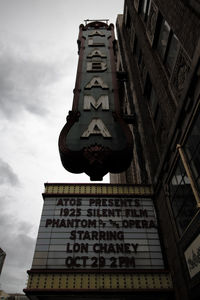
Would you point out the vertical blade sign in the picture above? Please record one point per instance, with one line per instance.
(95, 139)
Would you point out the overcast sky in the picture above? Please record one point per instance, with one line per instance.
(38, 61)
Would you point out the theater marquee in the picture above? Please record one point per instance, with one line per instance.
(98, 232)
(95, 139)
(97, 238)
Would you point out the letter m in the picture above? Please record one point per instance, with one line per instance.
(90, 100)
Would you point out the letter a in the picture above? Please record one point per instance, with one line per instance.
(96, 53)
(96, 82)
(96, 126)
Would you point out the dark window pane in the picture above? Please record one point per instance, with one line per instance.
(148, 87)
(180, 198)
(144, 9)
(158, 117)
(172, 53)
(140, 58)
(181, 169)
(136, 48)
(128, 20)
(148, 8)
(153, 102)
(187, 211)
(193, 140)
(198, 182)
(192, 149)
(195, 164)
(163, 39)
(172, 186)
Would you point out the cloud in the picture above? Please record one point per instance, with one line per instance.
(19, 246)
(7, 175)
(24, 80)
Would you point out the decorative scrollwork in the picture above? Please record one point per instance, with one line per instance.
(180, 72)
(73, 116)
(96, 153)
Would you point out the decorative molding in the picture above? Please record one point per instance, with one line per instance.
(97, 189)
(73, 116)
(180, 72)
(96, 154)
(76, 281)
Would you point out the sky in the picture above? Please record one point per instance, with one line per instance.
(38, 62)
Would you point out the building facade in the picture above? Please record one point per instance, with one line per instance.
(158, 73)
(98, 240)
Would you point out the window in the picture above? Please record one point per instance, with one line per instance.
(140, 61)
(136, 48)
(137, 51)
(172, 53)
(132, 38)
(167, 46)
(127, 18)
(182, 198)
(152, 98)
(139, 58)
(163, 39)
(192, 149)
(145, 6)
(153, 103)
(155, 114)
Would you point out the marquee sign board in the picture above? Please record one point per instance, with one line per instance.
(98, 232)
(95, 139)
